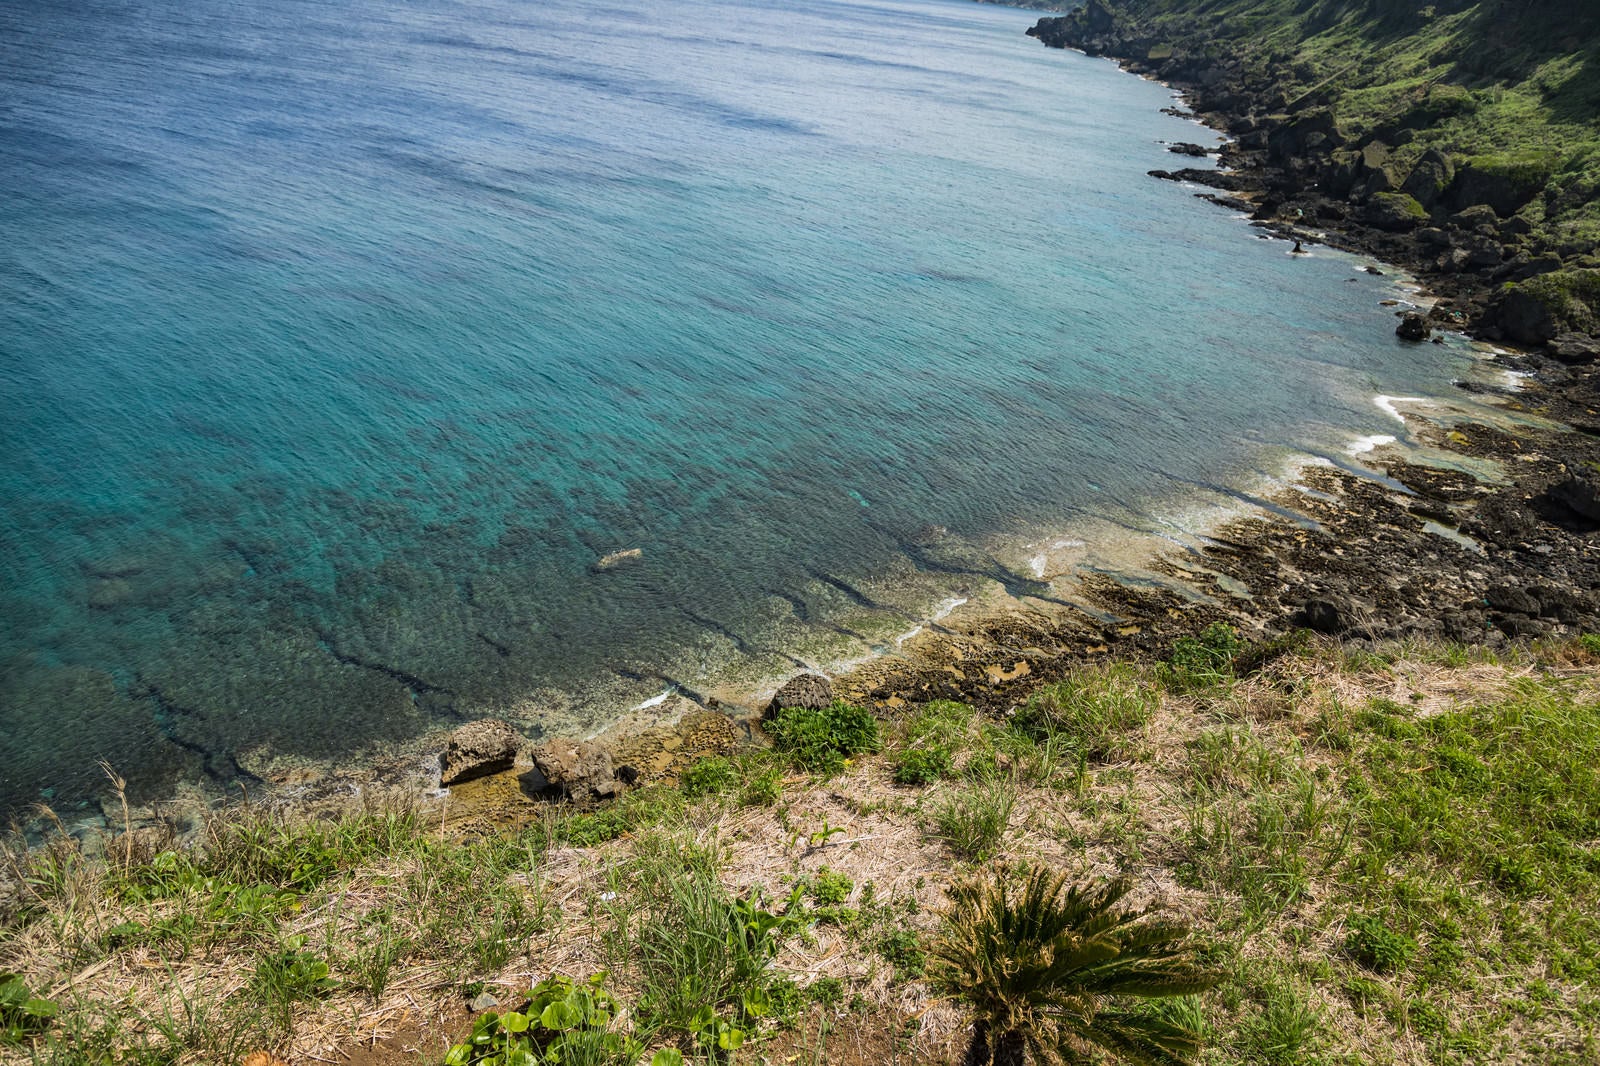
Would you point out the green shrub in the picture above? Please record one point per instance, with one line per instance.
(922, 766)
(828, 991)
(902, 948)
(762, 789)
(1370, 942)
(1205, 661)
(830, 887)
(561, 1022)
(821, 740)
(708, 777)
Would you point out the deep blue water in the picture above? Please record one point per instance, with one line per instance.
(337, 341)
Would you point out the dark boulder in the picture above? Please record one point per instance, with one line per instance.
(1579, 494)
(1523, 317)
(811, 691)
(1185, 148)
(1503, 183)
(1413, 327)
(1575, 348)
(1429, 178)
(1512, 599)
(1326, 615)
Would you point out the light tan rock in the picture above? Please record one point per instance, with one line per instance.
(477, 749)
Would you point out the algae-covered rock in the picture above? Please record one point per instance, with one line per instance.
(1502, 182)
(1395, 211)
(1538, 309)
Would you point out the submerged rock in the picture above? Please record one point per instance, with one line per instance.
(613, 560)
(477, 749)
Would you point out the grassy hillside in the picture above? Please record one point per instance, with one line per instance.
(1388, 856)
(1511, 87)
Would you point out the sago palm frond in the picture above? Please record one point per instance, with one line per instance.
(1043, 966)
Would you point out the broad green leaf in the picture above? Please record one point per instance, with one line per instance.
(730, 1039)
(40, 1008)
(669, 1056)
(560, 1016)
(514, 1022)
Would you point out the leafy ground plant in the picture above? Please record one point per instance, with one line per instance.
(22, 1014)
(820, 740)
(562, 1021)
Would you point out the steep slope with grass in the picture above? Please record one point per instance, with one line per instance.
(1460, 137)
(1377, 854)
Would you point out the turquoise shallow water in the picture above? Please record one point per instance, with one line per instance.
(338, 341)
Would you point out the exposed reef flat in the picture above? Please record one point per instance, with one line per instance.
(1480, 534)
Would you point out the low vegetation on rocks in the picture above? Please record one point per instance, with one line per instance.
(1473, 124)
(1300, 852)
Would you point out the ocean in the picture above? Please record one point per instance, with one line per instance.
(340, 342)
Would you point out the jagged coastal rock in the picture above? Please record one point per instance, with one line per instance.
(1413, 327)
(578, 769)
(477, 749)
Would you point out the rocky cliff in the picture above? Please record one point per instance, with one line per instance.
(1460, 138)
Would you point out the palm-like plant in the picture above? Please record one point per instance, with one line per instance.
(1049, 973)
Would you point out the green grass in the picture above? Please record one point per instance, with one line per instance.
(1096, 713)
(974, 820)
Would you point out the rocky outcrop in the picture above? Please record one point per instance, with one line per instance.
(477, 749)
(577, 769)
(1413, 327)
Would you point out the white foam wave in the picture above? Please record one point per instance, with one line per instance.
(654, 701)
(1386, 404)
(1363, 445)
